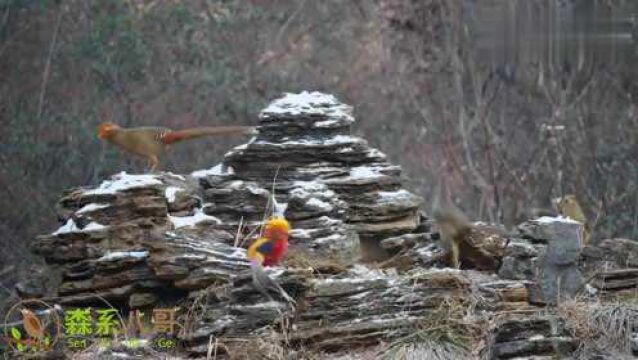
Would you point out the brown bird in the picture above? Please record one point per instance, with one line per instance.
(150, 142)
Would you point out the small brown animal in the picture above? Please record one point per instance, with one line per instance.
(468, 245)
(569, 207)
(150, 142)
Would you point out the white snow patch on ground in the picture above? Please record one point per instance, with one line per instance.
(215, 170)
(117, 255)
(551, 219)
(91, 207)
(171, 193)
(310, 103)
(124, 181)
(184, 221)
(71, 227)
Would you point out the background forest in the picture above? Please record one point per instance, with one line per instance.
(512, 102)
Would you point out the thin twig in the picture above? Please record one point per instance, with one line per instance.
(47, 64)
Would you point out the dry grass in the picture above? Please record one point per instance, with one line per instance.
(601, 327)
(303, 259)
(448, 333)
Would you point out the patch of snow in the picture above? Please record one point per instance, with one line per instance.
(257, 190)
(364, 172)
(374, 153)
(537, 337)
(327, 124)
(279, 209)
(71, 227)
(319, 205)
(329, 239)
(124, 181)
(309, 103)
(301, 234)
(425, 252)
(91, 207)
(171, 193)
(215, 170)
(117, 255)
(394, 195)
(177, 176)
(335, 140)
(311, 188)
(591, 290)
(189, 221)
(345, 150)
(93, 226)
(552, 219)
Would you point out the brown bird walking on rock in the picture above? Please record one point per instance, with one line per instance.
(150, 141)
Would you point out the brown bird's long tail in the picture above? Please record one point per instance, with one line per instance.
(180, 135)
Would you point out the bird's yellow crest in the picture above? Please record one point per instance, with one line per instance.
(278, 223)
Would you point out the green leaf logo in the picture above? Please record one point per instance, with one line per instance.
(16, 333)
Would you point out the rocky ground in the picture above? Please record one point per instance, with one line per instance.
(365, 269)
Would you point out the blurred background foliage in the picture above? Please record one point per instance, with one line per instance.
(512, 102)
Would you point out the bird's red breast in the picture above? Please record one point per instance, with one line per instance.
(270, 249)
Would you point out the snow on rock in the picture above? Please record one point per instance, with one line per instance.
(171, 193)
(551, 219)
(189, 221)
(311, 188)
(91, 207)
(124, 181)
(319, 205)
(214, 171)
(310, 103)
(117, 255)
(335, 140)
(71, 227)
(365, 172)
(393, 196)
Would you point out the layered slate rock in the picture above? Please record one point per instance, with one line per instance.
(139, 236)
(132, 239)
(332, 185)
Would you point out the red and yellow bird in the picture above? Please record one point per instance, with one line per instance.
(272, 247)
(269, 250)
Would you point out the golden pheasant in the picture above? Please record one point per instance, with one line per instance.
(150, 142)
(269, 250)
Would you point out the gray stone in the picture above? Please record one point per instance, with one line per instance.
(558, 275)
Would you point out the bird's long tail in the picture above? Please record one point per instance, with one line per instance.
(180, 135)
(264, 284)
